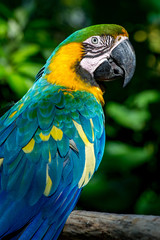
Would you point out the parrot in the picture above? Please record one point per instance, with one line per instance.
(52, 140)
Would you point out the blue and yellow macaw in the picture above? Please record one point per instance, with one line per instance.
(52, 140)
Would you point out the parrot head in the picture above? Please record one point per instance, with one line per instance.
(92, 55)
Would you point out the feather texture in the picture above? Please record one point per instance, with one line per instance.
(45, 158)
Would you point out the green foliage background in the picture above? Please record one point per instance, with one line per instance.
(128, 180)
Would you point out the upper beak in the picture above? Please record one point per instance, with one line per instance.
(121, 63)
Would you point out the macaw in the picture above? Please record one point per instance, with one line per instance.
(52, 140)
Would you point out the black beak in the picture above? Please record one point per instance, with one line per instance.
(122, 63)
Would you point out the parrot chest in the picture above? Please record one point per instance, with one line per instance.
(77, 118)
(85, 126)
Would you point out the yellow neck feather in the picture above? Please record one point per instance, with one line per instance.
(62, 71)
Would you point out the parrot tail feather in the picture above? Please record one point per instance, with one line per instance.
(45, 228)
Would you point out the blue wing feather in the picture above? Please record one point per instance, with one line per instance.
(6, 132)
(63, 146)
(86, 125)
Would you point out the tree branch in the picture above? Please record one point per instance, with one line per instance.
(95, 225)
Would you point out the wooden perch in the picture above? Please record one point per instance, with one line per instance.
(95, 225)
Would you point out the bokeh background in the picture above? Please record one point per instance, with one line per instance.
(128, 180)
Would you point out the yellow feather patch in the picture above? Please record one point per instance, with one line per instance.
(48, 183)
(44, 137)
(1, 161)
(29, 147)
(89, 165)
(63, 73)
(20, 106)
(12, 114)
(81, 133)
(56, 133)
(49, 160)
(90, 160)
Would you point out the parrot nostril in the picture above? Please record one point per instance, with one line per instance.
(116, 71)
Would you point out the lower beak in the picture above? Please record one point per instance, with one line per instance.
(121, 64)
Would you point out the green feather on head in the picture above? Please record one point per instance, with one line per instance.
(102, 29)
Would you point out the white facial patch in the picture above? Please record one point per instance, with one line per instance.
(91, 59)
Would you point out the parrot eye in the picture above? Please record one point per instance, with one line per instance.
(94, 40)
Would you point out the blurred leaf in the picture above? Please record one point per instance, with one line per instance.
(14, 29)
(148, 203)
(25, 52)
(140, 36)
(122, 157)
(134, 119)
(143, 99)
(22, 16)
(3, 28)
(2, 72)
(19, 84)
(153, 17)
(154, 39)
(29, 68)
(151, 61)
